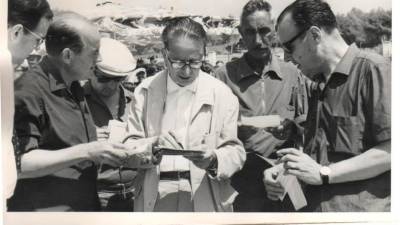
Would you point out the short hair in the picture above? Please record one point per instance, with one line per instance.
(307, 13)
(28, 13)
(63, 33)
(183, 26)
(253, 6)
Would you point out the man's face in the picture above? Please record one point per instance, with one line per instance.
(105, 85)
(84, 62)
(255, 30)
(183, 59)
(22, 43)
(297, 44)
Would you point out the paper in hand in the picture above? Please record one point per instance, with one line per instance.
(117, 130)
(293, 189)
(261, 121)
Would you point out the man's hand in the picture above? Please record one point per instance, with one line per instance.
(283, 131)
(203, 161)
(114, 154)
(272, 186)
(300, 165)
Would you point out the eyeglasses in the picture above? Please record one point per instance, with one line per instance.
(105, 79)
(263, 31)
(287, 46)
(179, 64)
(39, 39)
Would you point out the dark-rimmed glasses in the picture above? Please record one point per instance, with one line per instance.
(179, 64)
(287, 46)
(39, 39)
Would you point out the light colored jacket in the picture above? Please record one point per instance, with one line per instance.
(214, 119)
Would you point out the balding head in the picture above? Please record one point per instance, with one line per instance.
(70, 30)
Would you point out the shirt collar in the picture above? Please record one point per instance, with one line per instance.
(244, 69)
(55, 80)
(344, 65)
(173, 87)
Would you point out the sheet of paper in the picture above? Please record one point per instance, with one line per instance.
(261, 121)
(117, 130)
(293, 189)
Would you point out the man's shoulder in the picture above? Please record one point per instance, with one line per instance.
(149, 81)
(32, 81)
(211, 81)
(372, 57)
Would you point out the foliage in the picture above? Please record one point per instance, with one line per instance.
(366, 28)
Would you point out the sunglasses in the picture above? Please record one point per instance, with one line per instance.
(39, 39)
(105, 79)
(288, 45)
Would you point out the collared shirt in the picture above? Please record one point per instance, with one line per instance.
(176, 117)
(101, 114)
(349, 115)
(280, 90)
(50, 116)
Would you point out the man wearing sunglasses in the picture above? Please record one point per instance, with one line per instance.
(265, 85)
(187, 109)
(107, 101)
(346, 160)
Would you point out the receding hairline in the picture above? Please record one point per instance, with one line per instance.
(73, 21)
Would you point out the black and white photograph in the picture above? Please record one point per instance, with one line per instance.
(196, 112)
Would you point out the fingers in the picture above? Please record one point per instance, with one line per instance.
(169, 141)
(286, 151)
(272, 186)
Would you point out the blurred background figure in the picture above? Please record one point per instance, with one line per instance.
(107, 101)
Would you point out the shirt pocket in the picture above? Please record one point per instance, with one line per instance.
(348, 138)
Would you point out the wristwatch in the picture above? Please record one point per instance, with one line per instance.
(324, 172)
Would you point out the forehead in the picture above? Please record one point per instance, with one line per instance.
(185, 47)
(287, 28)
(257, 19)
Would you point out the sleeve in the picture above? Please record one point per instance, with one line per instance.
(28, 120)
(137, 134)
(376, 95)
(230, 152)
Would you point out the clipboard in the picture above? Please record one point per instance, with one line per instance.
(170, 151)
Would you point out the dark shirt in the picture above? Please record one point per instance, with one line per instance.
(50, 116)
(280, 90)
(109, 177)
(354, 116)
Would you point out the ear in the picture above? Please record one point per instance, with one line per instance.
(316, 33)
(67, 56)
(16, 32)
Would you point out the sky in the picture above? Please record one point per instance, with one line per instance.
(219, 7)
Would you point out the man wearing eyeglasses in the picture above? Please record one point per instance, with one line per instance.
(27, 24)
(107, 101)
(187, 109)
(265, 85)
(346, 160)
(58, 149)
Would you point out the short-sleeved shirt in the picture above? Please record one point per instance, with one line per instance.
(50, 116)
(109, 177)
(354, 116)
(280, 90)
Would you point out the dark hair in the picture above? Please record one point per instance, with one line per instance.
(183, 26)
(63, 34)
(307, 13)
(253, 6)
(28, 13)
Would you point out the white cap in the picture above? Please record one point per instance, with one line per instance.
(115, 59)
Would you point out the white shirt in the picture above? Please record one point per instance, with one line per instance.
(178, 106)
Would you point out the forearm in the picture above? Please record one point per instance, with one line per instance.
(371, 163)
(39, 162)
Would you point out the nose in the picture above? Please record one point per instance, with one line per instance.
(258, 40)
(187, 70)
